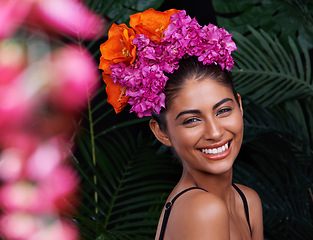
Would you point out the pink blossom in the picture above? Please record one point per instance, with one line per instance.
(145, 79)
(18, 225)
(45, 159)
(57, 230)
(60, 190)
(12, 15)
(61, 16)
(14, 106)
(68, 17)
(74, 76)
(56, 193)
(12, 163)
(20, 196)
(24, 226)
(12, 60)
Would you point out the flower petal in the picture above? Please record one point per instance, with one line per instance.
(116, 94)
(151, 23)
(119, 46)
(69, 17)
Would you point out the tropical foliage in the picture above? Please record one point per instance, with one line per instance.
(126, 175)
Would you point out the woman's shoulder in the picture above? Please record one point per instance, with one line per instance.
(251, 195)
(199, 214)
(200, 202)
(255, 210)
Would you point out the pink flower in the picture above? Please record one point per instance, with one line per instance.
(38, 182)
(74, 76)
(12, 60)
(23, 226)
(20, 196)
(14, 106)
(18, 225)
(145, 79)
(54, 194)
(60, 190)
(61, 16)
(68, 17)
(48, 156)
(57, 230)
(12, 15)
(12, 164)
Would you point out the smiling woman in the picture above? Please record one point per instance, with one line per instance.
(202, 122)
(182, 80)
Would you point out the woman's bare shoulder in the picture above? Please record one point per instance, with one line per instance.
(251, 195)
(255, 211)
(199, 215)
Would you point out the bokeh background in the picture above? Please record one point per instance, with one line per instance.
(124, 174)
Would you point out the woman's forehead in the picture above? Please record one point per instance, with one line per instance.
(201, 93)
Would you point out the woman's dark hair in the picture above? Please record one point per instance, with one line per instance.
(191, 68)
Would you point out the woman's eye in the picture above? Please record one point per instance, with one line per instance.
(223, 111)
(190, 121)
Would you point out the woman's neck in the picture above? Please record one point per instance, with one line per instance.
(219, 185)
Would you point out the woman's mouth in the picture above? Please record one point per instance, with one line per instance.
(216, 151)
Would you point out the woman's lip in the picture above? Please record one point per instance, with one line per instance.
(219, 156)
(217, 145)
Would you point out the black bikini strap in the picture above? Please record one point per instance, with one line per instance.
(168, 208)
(245, 204)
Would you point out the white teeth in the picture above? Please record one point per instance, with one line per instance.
(216, 150)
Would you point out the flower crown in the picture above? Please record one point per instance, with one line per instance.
(134, 60)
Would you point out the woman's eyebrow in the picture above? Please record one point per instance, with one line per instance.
(187, 112)
(221, 102)
(198, 111)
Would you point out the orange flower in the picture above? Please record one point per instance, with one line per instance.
(116, 94)
(151, 23)
(118, 47)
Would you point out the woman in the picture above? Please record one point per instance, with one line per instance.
(202, 122)
(168, 66)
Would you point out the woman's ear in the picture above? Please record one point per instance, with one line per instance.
(159, 134)
(240, 103)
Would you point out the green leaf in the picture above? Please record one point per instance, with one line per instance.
(268, 74)
(131, 187)
(282, 18)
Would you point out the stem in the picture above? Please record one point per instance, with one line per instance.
(93, 149)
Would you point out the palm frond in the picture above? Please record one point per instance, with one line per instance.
(284, 18)
(269, 74)
(287, 121)
(283, 185)
(132, 184)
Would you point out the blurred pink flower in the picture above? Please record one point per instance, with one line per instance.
(18, 225)
(52, 195)
(75, 76)
(12, 60)
(11, 164)
(20, 196)
(70, 17)
(24, 226)
(38, 181)
(60, 190)
(67, 16)
(14, 106)
(61, 80)
(57, 230)
(45, 159)
(12, 14)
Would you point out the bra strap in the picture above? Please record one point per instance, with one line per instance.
(168, 208)
(245, 204)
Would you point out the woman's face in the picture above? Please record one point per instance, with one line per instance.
(205, 126)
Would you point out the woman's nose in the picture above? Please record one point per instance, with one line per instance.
(213, 130)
